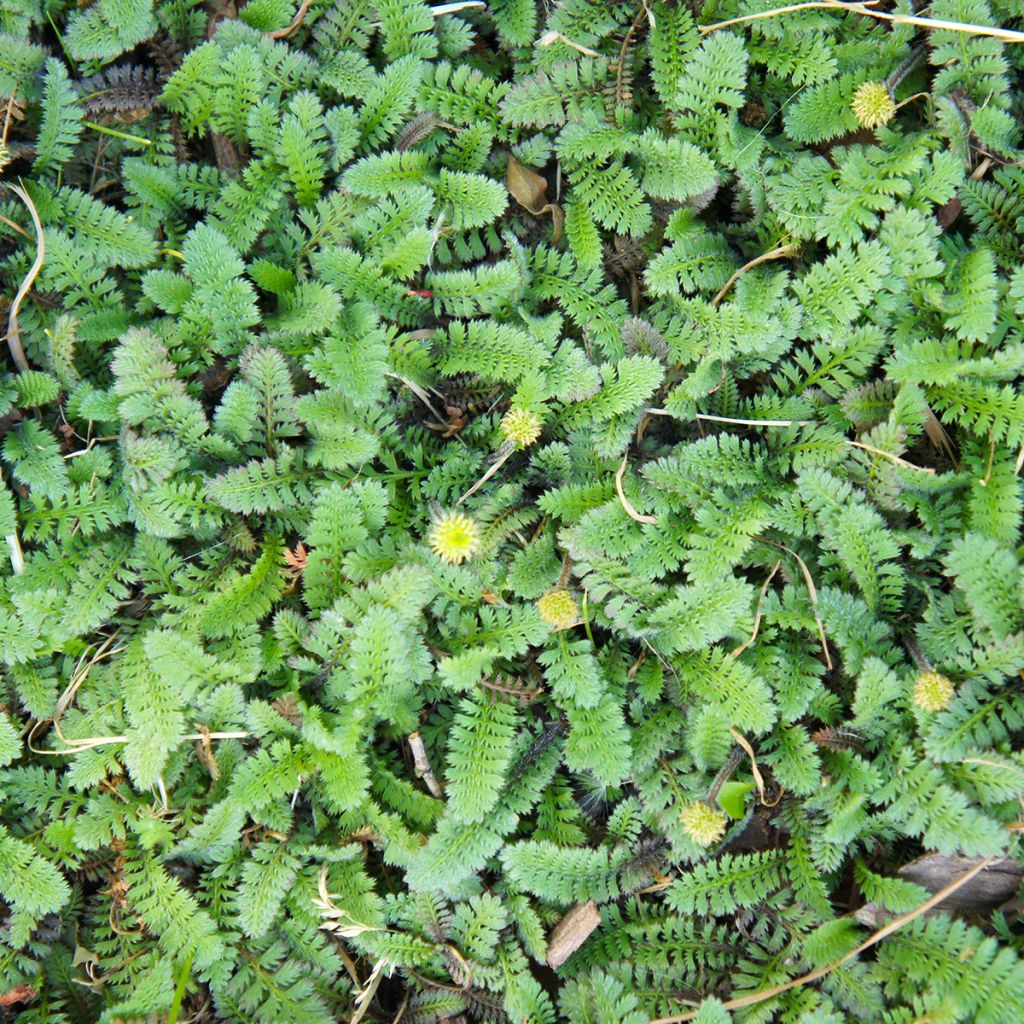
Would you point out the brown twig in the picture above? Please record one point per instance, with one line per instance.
(300, 14)
(563, 576)
(504, 454)
(889, 455)
(14, 543)
(417, 391)
(984, 481)
(15, 227)
(401, 1009)
(571, 932)
(773, 254)
(883, 933)
(623, 51)
(722, 776)
(422, 764)
(750, 423)
(754, 770)
(554, 37)
(13, 331)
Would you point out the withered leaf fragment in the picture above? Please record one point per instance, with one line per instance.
(529, 190)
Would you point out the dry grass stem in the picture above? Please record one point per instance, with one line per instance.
(872, 940)
(773, 254)
(13, 332)
(1005, 34)
(624, 501)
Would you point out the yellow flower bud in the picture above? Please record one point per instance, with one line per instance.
(702, 823)
(873, 106)
(521, 426)
(454, 537)
(558, 608)
(933, 692)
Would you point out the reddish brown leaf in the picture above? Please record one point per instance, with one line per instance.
(18, 994)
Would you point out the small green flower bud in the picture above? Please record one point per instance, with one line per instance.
(933, 692)
(873, 106)
(558, 608)
(521, 427)
(702, 823)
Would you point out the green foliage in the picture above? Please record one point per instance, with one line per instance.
(270, 748)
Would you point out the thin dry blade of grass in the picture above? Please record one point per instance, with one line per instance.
(13, 331)
(994, 31)
(882, 933)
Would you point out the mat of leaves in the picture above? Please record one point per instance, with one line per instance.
(511, 512)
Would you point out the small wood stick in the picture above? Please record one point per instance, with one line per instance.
(296, 22)
(422, 764)
(753, 998)
(889, 455)
(571, 932)
(996, 32)
(774, 254)
(461, 5)
(14, 543)
(504, 454)
(754, 770)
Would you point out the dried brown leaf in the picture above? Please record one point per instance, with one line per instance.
(529, 190)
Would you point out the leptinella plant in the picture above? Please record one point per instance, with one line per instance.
(513, 512)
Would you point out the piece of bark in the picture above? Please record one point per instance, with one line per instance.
(421, 763)
(985, 892)
(571, 932)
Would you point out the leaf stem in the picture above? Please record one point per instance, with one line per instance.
(114, 133)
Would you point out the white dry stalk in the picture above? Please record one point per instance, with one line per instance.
(1005, 34)
(17, 555)
(442, 9)
(339, 921)
(13, 331)
(625, 502)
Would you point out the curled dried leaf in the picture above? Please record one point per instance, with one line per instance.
(529, 190)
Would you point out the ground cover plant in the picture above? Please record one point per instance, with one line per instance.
(511, 512)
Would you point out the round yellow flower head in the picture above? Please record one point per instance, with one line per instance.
(521, 426)
(702, 823)
(932, 691)
(454, 537)
(872, 105)
(558, 608)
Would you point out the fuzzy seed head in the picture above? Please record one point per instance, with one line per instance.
(933, 692)
(521, 427)
(872, 105)
(702, 823)
(454, 537)
(558, 608)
